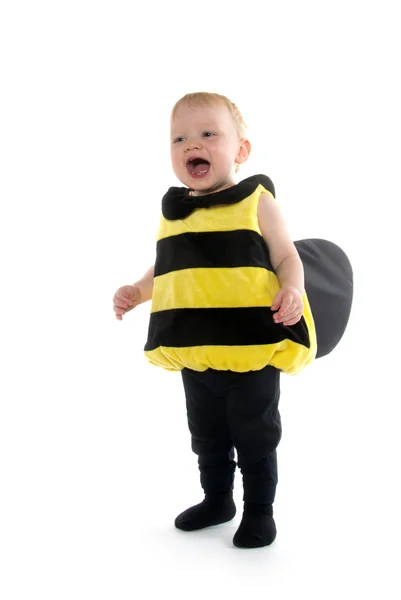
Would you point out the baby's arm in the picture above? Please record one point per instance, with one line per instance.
(145, 285)
(128, 297)
(284, 256)
(285, 261)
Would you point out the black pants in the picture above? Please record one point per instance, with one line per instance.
(228, 410)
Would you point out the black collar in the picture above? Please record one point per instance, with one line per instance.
(178, 204)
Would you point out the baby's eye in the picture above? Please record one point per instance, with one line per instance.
(208, 133)
(178, 139)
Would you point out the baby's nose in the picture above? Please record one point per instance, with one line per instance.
(192, 144)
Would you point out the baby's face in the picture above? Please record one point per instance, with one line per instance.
(204, 147)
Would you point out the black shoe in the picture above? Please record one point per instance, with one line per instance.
(257, 528)
(212, 511)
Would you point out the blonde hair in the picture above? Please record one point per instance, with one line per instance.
(208, 99)
(201, 99)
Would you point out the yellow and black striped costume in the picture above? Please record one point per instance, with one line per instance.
(214, 285)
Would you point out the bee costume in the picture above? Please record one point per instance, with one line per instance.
(211, 319)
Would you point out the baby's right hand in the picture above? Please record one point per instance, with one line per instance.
(125, 299)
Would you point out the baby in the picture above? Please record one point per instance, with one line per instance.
(229, 310)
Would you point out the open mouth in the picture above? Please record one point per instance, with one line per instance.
(198, 167)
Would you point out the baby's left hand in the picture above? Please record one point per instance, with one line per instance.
(289, 300)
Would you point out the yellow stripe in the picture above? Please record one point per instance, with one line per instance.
(214, 288)
(222, 218)
(288, 356)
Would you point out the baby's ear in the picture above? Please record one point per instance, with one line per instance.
(243, 151)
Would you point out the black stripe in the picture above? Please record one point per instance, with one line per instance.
(178, 204)
(240, 248)
(184, 327)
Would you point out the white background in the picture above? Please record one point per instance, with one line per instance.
(95, 458)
